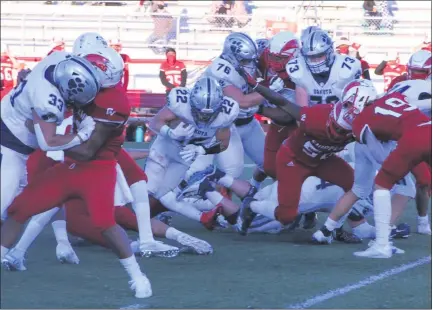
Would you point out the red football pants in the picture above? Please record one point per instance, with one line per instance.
(90, 181)
(274, 138)
(291, 174)
(413, 148)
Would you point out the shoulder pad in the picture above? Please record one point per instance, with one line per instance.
(296, 70)
(49, 104)
(230, 111)
(262, 44)
(223, 71)
(348, 67)
(178, 102)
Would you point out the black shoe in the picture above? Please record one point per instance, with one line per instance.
(402, 231)
(246, 215)
(216, 175)
(310, 220)
(343, 236)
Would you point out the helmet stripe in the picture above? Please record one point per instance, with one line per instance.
(87, 69)
(208, 93)
(311, 42)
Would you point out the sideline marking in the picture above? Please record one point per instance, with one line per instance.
(370, 280)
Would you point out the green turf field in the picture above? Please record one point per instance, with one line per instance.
(257, 271)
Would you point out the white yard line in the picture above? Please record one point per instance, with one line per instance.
(368, 281)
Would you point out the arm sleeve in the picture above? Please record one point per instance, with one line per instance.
(380, 68)
(164, 81)
(126, 77)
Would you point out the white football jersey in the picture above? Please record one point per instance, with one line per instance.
(178, 103)
(37, 92)
(344, 70)
(226, 75)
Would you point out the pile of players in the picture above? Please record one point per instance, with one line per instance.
(74, 172)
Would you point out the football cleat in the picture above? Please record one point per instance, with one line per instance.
(66, 254)
(157, 248)
(246, 215)
(13, 263)
(209, 218)
(195, 245)
(319, 237)
(310, 220)
(394, 249)
(376, 251)
(424, 228)
(142, 287)
(401, 231)
(343, 236)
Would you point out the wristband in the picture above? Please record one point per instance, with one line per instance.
(213, 149)
(165, 130)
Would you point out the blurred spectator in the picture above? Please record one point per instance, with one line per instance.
(8, 70)
(346, 47)
(57, 44)
(143, 5)
(162, 22)
(390, 68)
(360, 55)
(172, 72)
(235, 11)
(117, 45)
(371, 10)
(384, 11)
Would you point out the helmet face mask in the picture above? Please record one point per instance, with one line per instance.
(241, 51)
(318, 52)
(283, 47)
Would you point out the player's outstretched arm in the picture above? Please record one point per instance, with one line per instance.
(245, 101)
(379, 69)
(276, 114)
(48, 140)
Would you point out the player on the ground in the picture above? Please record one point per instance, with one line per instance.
(32, 110)
(205, 130)
(88, 172)
(240, 53)
(392, 118)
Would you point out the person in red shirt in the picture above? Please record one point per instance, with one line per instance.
(392, 118)
(418, 67)
(117, 46)
(390, 68)
(8, 71)
(323, 131)
(172, 72)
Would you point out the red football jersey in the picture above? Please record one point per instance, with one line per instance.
(310, 142)
(110, 106)
(388, 118)
(396, 80)
(125, 78)
(364, 65)
(391, 71)
(172, 72)
(8, 74)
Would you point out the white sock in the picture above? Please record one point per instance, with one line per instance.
(382, 215)
(169, 201)
(60, 232)
(4, 251)
(264, 207)
(364, 231)
(226, 181)
(330, 224)
(422, 220)
(131, 266)
(172, 233)
(214, 197)
(33, 229)
(255, 183)
(142, 210)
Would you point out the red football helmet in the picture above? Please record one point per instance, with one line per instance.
(283, 47)
(342, 46)
(419, 65)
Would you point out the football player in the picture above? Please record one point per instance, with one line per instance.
(8, 71)
(240, 53)
(32, 110)
(310, 151)
(88, 172)
(392, 118)
(117, 46)
(344, 47)
(390, 68)
(206, 129)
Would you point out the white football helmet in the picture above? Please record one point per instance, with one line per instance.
(419, 65)
(355, 96)
(307, 31)
(283, 47)
(241, 51)
(417, 92)
(318, 52)
(108, 63)
(206, 101)
(88, 40)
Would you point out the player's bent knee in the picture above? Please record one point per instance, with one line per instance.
(139, 191)
(360, 191)
(384, 180)
(285, 215)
